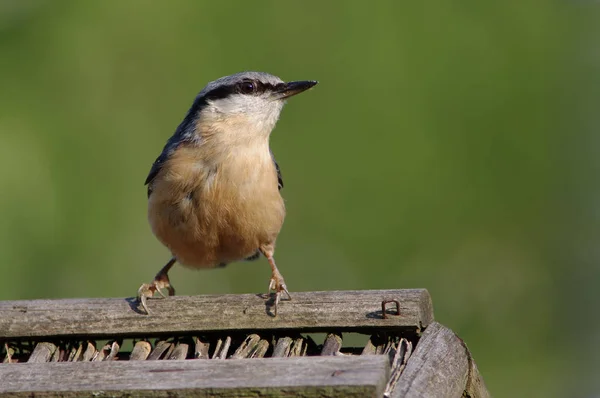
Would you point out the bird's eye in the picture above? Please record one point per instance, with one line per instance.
(247, 87)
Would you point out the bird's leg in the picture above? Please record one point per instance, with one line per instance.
(161, 281)
(277, 283)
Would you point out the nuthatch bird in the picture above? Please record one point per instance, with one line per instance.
(213, 193)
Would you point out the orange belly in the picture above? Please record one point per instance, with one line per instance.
(209, 218)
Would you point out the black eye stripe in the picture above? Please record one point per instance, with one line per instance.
(225, 91)
(219, 93)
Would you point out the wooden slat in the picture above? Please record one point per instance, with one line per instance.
(179, 352)
(438, 367)
(282, 348)
(42, 352)
(140, 351)
(252, 347)
(360, 376)
(201, 349)
(309, 311)
(160, 350)
(89, 352)
(402, 351)
(222, 348)
(332, 345)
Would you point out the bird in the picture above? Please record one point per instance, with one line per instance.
(214, 191)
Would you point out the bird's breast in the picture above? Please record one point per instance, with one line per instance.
(209, 210)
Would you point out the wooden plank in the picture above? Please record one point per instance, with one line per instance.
(282, 348)
(114, 351)
(402, 352)
(378, 345)
(89, 352)
(102, 353)
(201, 349)
(438, 367)
(360, 376)
(42, 352)
(140, 351)
(252, 347)
(8, 353)
(309, 311)
(248, 345)
(76, 353)
(161, 350)
(222, 348)
(331, 346)
(179, 352)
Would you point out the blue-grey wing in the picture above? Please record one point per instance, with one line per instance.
(167, 151)
(184, 133)
(279, 178)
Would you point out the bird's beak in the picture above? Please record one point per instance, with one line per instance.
(292, 88)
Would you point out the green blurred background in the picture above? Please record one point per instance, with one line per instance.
(449, 146)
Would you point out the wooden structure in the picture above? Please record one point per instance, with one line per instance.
(232, 346)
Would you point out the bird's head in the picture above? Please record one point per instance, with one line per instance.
(247, 103)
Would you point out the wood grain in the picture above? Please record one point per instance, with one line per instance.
(179, 352)
(308, 311)
(201, 349)
(331, 346)
(43, 352)
(360, 376)
(282, 348)
(141, 351)
(438, 367)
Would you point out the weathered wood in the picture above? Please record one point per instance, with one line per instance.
(75, 353)
(438, 367)
(359, 376)
(298, 348)
(42, 352)
(222, 348)
(179, 352)
(141, 351)
(161, 350)
(378, 345)
(309, 312)
(247, 347)
(59, 354)
(332, 344)
(252, 347)
(441, 364)
(370, 348)
(89, 352)
(201, 349)
(402, 352)
(8, 354)
(102, 353)
(114, 351)
(260, 350)
(282, 348)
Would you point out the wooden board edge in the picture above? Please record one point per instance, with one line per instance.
(308, 312)
(360, 376)
(426, 309)
(438, 367)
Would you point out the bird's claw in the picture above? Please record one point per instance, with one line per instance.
(277, 284)
(147, 290)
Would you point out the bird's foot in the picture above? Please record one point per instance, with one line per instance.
(147, 290)
(277, 284)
